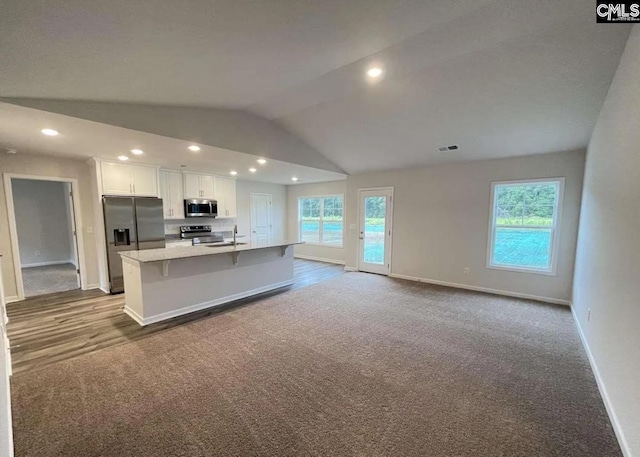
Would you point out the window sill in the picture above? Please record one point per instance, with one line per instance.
(320, 245)
(523, 270)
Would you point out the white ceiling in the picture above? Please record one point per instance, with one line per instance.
(20, 128)
(499, 78)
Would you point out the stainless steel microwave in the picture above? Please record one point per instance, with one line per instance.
(200, 208)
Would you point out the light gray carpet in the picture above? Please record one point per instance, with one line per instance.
(49, 279)
(361, 365)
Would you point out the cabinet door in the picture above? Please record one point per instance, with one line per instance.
(165, 193)
(145, 181)
(116, 179)
(226, 196)
(229, 192)
(175, 195)
(207, 187)
(191, 185)
(218, 193)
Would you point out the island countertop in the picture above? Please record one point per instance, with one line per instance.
(163, 254)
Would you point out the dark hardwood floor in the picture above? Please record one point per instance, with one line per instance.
(54, 327)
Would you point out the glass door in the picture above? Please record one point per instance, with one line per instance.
(375, 212)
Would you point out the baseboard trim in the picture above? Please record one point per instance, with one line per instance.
(200, 306)
(11, 299)
(91, 287)
(507, 293)
(615, 423)
(346, 268)
(104, 289)
(46, 264)
(318, 259)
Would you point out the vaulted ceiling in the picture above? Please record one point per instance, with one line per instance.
(498, 78)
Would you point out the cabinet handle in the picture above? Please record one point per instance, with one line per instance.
(134, 188)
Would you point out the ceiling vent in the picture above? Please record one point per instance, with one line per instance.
(453, 147)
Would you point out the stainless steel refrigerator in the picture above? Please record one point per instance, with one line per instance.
(131, 224)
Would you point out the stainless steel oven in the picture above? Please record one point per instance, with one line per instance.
(200, 208)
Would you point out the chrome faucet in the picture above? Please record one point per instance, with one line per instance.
(235, 232)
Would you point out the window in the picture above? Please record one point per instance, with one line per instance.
(524, 225)
(321, 220)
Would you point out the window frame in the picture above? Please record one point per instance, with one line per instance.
(320, 221)
(555, 227)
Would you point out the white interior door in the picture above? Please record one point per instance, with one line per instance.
(260, 218)
(375, 209)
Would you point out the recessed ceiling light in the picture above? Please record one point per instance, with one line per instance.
(294, 179)
(12, 151)
(233, 172)
(137, 151)
(123, 158)
(49, 132)
(194, 148)
(374, 72)
(252, 170)
(262, 161)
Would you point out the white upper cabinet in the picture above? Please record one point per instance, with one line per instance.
(218, 188)
(191, 185)
(125, 179)
(198, 186)
(116, 179)
(207, 185)
(145, 181)
(225, 191)
(172, 194)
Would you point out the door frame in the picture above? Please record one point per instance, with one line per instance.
(13, 231)
(261, 194)
(388, 189)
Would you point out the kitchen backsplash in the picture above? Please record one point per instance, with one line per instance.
(172, 227)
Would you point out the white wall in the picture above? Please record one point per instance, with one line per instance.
(294, 192)
(607, 279)
(6, 438)
(441, 221)
(42, 221)
(278, 193)
(56, 167)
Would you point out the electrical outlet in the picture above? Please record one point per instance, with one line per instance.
(37, 253)
(589, 315)
(467, 271)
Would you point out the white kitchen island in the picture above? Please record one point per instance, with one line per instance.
(164, 283)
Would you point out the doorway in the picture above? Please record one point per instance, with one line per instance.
(261, 228)
(375, 216)
(44, 235)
